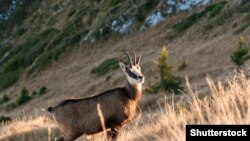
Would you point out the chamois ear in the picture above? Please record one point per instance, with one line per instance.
(122, 66)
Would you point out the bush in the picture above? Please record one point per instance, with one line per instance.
(215, 9)
(4, 99)
(113, 3)
(105, 67)
(23, 97)
(150, 4)
(240, 55)
(4, 119)
(242, 28)
(46, 58)
(34, 93)
(42, 90)
(3, 50)
(187, 22)
(20, 31)
(168, 82)
(102, 33)
(71, 12)
(212, 10)
(10, 106)
(8, 78)
(182, 66)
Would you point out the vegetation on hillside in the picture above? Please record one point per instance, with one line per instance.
(168, 123)
(168, 81)
(211, 10)
(40, 38)
(105, 67)
(24, 97)
(241, 54)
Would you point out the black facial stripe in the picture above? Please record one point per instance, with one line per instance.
(131, 74)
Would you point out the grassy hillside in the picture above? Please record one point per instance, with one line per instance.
(69, 49)
(221, 106)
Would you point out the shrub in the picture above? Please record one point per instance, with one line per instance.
(20, 31)
(71, 12)
(240, 55)
(3, 50)
(150, 4)
(168, 81)
(67, 31)
(4, 119)
(140, 15)
(182, 66)
(215, 9)
(42, 90)
(105, 67)
(34, 93)
(187, 22)
(242, 28)
(46, 58)
(10, 106)
(23, 97)
(8, 78)
(102, 33)
(212, 10)
(4, 99)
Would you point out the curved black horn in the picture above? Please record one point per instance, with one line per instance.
(126, 53)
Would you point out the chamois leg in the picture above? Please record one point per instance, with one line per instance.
(113, 134)
(70, 136)
(59, 139)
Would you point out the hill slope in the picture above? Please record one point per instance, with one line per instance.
(59, 43)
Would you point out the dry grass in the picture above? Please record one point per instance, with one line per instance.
(223, 105)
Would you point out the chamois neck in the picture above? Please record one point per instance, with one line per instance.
(134, 91)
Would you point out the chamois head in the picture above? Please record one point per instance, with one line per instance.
(132, 70)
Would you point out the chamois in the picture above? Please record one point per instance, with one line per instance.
(80, 116)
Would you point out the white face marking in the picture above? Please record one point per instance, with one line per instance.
(134, 75)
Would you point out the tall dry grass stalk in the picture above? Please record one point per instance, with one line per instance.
(225, 104)
(228, 104)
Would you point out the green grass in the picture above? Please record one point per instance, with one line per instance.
(4, 99)
(187, 22)
(46, 58)
(22, 56)
(71, 12)
(211, 10)
(23, 10)
(3, 49)
(149, 5)
(105, 67)
(8, 78)
(242, 28)
(23, 98)
(102, 33)
(20, 31)
(215, 9)
(113, 3)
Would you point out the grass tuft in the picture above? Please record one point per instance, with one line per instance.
(105, 67)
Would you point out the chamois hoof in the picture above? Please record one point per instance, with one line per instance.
(59, 139)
